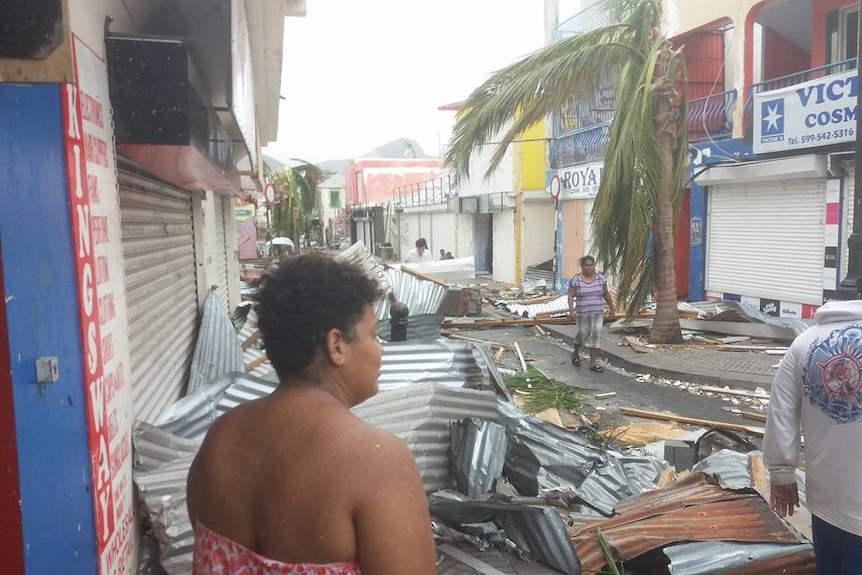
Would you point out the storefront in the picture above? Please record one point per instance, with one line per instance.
(772, 234)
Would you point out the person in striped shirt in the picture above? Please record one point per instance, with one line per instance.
(589, 290)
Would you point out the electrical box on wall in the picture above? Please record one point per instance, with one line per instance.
(47, 370)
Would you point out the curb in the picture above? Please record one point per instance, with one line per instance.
(715, 378)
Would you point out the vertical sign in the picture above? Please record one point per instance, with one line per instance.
(92, 181)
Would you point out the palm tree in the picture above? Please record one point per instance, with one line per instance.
(296, 204)
(647, 151)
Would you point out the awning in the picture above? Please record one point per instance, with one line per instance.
(791, 168)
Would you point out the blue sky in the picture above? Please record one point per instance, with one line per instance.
(358, 74)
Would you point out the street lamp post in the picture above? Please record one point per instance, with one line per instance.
(847, 288)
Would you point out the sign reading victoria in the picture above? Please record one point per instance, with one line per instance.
(815, 113)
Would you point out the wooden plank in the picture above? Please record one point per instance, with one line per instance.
(635, 344)
(251, 340)
(498, 354)
(520, 356)
(540, 329)
(754, 416)
(472, 562)
(739, 392)
(690, 420)
(757, 472)
(255, 363)
(476, 340)
(420, 275)
(605, 395)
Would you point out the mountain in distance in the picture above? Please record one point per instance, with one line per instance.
(396, 149)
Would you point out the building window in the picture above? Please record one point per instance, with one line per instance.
(842, 34)
(335, 198)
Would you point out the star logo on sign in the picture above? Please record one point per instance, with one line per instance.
(773, 113)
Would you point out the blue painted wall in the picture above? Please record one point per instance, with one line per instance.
(42, 309)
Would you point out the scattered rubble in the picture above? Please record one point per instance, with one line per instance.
(561, 487)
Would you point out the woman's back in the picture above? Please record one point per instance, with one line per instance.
(294, 477)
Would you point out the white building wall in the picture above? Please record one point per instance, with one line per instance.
(500, 180)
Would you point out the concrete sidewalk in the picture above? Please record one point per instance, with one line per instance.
(738, 369)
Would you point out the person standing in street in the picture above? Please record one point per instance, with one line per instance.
(817, 392)
(589, 290)
(419, 253)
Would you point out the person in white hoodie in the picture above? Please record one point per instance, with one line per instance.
(818, 391)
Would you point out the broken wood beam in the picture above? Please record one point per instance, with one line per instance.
(635, 344)
(738, 392)
(691, 420)
(250, 340)
(520, 356)
(476, 340)
(754, 416)
(256, 362)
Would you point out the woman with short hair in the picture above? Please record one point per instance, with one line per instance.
(294, 483)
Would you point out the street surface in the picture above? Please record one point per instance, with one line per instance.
(553, 357)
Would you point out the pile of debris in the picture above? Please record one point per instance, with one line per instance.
(508, 491)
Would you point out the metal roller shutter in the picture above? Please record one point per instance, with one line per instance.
(537, 233)
(847, 221)
(221, 249)
(161, 290)
(766, 240)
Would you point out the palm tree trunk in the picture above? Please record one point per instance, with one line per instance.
(665, 328)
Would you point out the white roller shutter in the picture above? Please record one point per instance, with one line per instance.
(847, 222)
(766, 240)
(221, 249)
(537, 232)
(161, 290)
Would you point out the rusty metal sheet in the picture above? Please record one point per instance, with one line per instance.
(692, 510)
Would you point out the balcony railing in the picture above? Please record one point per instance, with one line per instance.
(792, 80)
(586, 20)
(580, 146)
(711, 118)
(434, 192)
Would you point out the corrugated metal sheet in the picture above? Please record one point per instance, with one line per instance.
(192, 416)
(691, 510)
(362, 256)
(477, 450)
(217, 350)
(161, 467)
(561, 304)
(420, 415)
(536, 532)
(544, 458)
(161, 289)
(443, 361)
(421, 296)
(709, 558)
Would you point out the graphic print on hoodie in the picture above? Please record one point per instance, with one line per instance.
(832, 375)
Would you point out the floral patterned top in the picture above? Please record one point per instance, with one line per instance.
(216, 554)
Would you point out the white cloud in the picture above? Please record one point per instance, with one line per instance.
(359, 74)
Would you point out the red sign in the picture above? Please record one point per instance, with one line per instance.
(269, 193)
